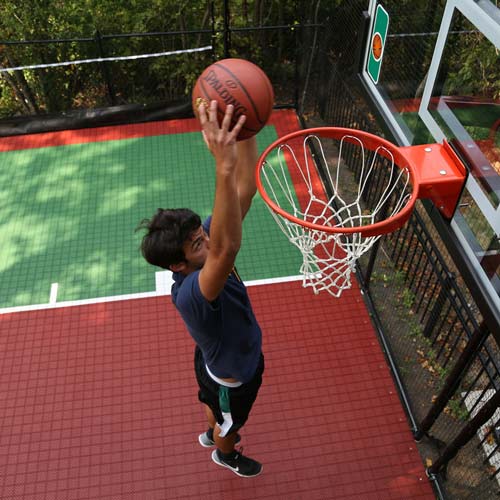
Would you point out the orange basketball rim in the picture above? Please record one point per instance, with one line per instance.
(435, 172)
(368, 187)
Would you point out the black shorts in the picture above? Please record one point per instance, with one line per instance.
(230, 405)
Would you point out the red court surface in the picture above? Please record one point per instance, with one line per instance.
(99, 402)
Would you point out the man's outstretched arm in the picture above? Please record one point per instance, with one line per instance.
(225, 228)
(247, 160)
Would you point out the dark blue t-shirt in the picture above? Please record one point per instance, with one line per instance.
(226, 329)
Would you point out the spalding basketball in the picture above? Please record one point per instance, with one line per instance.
(240, 83)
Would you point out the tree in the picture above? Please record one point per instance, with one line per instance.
(89, 29)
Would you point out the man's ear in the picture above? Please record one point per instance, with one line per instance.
(178, 268)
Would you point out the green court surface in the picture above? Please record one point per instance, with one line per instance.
(69, 213)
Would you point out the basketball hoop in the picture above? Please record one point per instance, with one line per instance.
(370, 189)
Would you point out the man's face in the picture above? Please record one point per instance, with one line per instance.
(196, 249)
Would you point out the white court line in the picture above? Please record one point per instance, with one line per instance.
(53, 293)
(162, 291)
(164, 282)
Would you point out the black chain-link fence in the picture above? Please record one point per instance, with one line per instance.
(148, 70)
(108, 91)
(444, 356)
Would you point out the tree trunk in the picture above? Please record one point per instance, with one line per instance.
(244, 12)
(203, 23)
(20, 87)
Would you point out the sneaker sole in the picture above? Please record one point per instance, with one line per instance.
(205, 445)
(215, 458)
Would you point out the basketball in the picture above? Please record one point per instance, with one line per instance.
(377, 46)
(240, 83)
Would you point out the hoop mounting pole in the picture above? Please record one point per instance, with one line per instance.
(440, 174)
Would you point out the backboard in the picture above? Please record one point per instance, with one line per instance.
(439, 78)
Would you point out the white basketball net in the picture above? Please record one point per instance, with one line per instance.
(329, 259)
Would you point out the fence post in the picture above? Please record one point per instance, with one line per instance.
(226, 32)
(367, 276)
(434, 315)
(296, 70)
(214, 30)
(104, 69)
(363, 34)
(453, 380)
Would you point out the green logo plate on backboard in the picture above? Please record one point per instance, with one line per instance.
(377, 43)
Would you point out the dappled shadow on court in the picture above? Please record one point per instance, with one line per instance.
(69, 212)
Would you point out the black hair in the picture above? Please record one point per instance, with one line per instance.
(167, 231)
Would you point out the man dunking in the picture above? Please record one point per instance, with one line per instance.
(209, 294)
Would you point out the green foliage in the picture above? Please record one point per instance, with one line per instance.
(54, 90)
(59, 89)
(476, 70)
(457, 410)
(146, 80)
(407, 298)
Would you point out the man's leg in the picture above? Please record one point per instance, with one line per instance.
(225, 444)
(210, 417)
(207, 439)
(226, 455)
